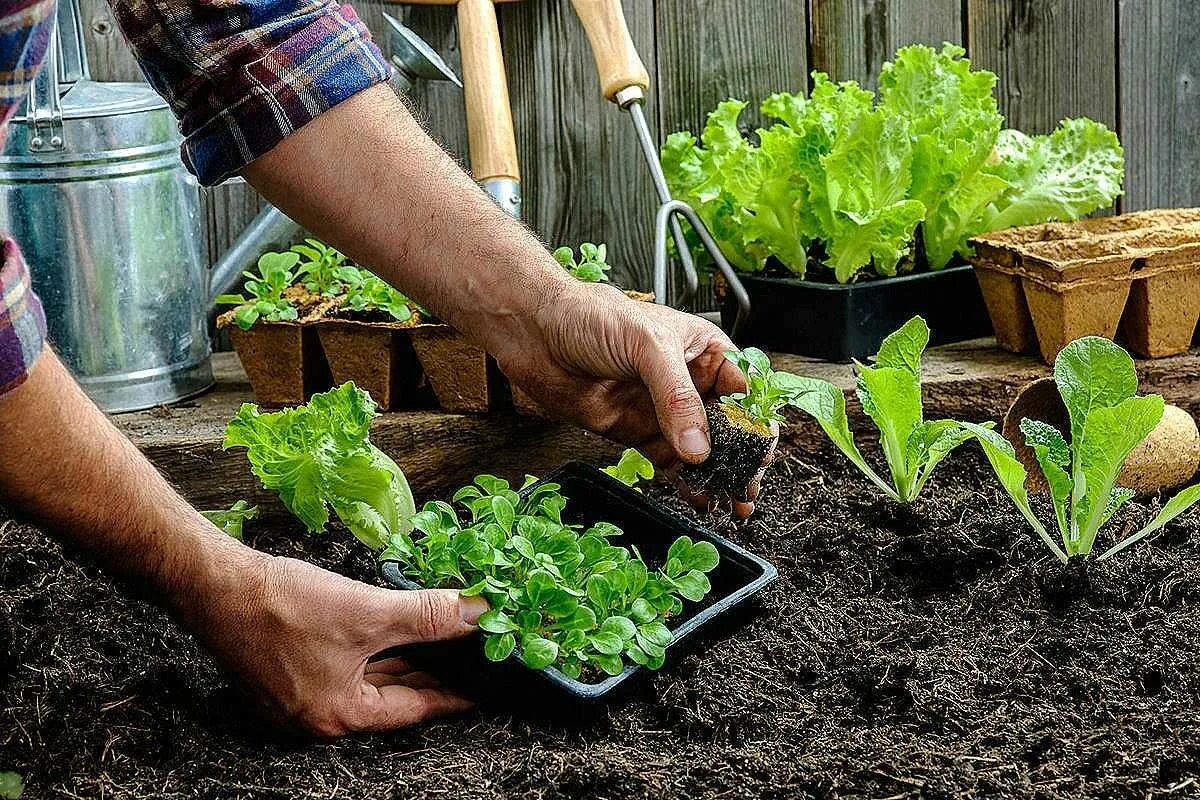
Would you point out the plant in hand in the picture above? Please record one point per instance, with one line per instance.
(1098, 384)
(366, 292)
(322, 269)
(560, 595)
(890, 392)
(742, 425)
(631, 469)
(232, 520)
(319, 456)
(266, 292)
(591, 266)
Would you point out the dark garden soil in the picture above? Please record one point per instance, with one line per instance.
(933, 652)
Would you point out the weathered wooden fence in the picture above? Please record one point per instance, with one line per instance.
(1132, 64)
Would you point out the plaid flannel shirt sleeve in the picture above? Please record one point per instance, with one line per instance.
(242, 75)
(24, 36)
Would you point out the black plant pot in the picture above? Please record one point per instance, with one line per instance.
(650, 527)
(840, 322)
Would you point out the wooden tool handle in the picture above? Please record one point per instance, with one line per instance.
(617, 60)
(489, 115)
(436, 2)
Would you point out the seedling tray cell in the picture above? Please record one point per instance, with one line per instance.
(650, 527)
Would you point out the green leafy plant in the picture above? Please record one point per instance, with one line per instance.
(366, 292)
(319, 456)
(1098, 384)
(631, 469)
(322, 269)
(232, 520)
(11, 786)
(890, 392)
(266, 292)
(591, 266)
(767, 391)
(848, 178)
(560, 595)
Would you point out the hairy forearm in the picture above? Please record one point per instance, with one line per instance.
(68, 468)
(366, 178)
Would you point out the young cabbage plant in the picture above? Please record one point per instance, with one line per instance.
(231, 521)
(890, 392)
(631, 469)
(319, 456)
(591, 266)
(266, 292)
(1098, 384)
(322, 269)
(560, 594)
(366, 292)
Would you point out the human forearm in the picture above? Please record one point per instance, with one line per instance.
(390, 198)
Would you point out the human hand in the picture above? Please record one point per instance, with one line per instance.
(302, 640)
(631, 371)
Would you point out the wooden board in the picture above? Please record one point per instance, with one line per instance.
(1160, 102)
(972, 381)
(851, 39)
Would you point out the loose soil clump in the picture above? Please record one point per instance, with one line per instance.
(936, 651)
(739, 447)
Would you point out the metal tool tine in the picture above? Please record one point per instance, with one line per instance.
(668, 213)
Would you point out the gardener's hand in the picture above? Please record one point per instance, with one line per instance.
(303, 640)
(634, 372)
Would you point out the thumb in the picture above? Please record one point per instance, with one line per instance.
(431, 615)
(677, 404)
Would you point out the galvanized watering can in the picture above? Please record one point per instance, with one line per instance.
(92, 188)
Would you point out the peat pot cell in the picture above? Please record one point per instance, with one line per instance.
(1063, 314)
(1162, 313)
(283, 361)
(650, 527)
(840, 322)
(456, 369)
(378, 358)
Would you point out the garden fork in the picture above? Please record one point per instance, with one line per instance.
(624, 81)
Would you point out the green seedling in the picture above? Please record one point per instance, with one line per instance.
(366, 292)
(1098, 384)
(319, 456)
(11, 786)
(266, 292)
(232, 520)
(560, 595)
(591, 266)
(890, 392)
(631, 469)
(322, 269)
(767, 391)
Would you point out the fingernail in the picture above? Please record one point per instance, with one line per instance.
(470, 608)
(693, 442)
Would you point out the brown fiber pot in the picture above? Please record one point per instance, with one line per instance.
(457, 370)
(1056, 282)
(378, 357)
(1165, 459)
(283, 361)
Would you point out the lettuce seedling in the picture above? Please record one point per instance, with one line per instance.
(232, 520)
(322, 269)
(319, 456)
(890, 392)
(1098, 384)
(266, 291)
(631, 469)
(366, 292)
(11, 786)
(767, 391)
(560, 595)
(591, 266)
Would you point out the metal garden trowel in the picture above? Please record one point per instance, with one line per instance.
(414, 59)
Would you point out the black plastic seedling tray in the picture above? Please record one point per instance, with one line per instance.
(648, 525)
(840, 322)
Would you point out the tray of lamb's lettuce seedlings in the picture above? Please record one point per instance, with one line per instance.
(851, 213)
(589, 581)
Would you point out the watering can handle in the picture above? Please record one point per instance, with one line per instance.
(617, 60)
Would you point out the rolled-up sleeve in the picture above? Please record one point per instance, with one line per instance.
(241, 75)
(22, 323)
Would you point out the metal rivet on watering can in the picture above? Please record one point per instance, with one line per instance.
(1166, 459)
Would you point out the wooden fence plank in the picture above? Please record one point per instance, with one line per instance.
(1160, 102)
(583, 178)
(1054, 58)
(851, 39)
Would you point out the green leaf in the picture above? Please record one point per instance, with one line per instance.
(704, 557)
(694, 585)
(891, 397)
(1038, 433)
(1178, 504)
(607, 643)
(538, 652)
(503, 511)
(658, 633)
(623, 627)
(11, 786)
(611, 664)
(231, 521)
(642, 611)
(632, 468)
(1091, 373)
(903, 348)
(498, 648)
(496, 621)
